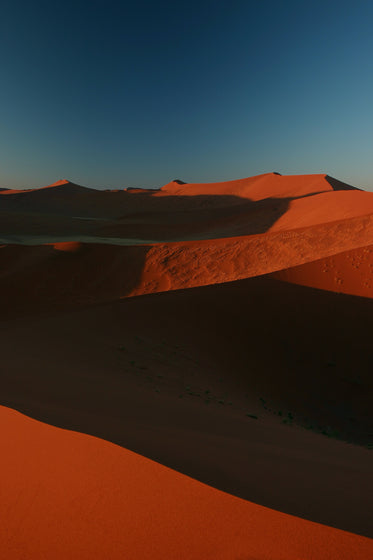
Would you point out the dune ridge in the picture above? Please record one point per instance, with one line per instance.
(122, 373)
(114, 496)
(195, 211)
(36, 276)
(233, 348)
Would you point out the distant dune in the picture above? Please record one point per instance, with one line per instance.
(222, 330)
(180, 211)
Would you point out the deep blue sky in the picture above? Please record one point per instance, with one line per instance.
(117, 94)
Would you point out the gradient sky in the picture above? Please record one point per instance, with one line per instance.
(116, 94)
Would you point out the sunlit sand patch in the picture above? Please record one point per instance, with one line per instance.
(69, 495)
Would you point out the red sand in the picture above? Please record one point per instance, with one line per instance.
(350, 272)
(36, 276)
(325, 207)
(136, 372)
(242, 207)
(258, 187)
(67, 246)
(67, 495)
(60, 183)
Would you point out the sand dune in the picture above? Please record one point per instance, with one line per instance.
(35, 277)
(234, 348)
(85, 498)
(262, 186)
(149, 374)
(322, 207)
(67, 186)
(184, 211)
(349, 272)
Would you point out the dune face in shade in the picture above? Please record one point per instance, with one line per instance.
(36, 276)
(172, 376)
(222, 330)
(81, 497)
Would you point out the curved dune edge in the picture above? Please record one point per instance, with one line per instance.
(68, 495)
(178, 211)
(82, 273)
(261, 186)
(349, 272)
(324, 207)
(172, 266)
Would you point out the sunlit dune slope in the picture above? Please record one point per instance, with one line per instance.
(180, 211)
(188, 264)
(173, 376)
(80, 497)
(349, 272)
(233, 348)
(261, 186)
(41, 275)
(225, 215)
(324, 207)
(268, 202)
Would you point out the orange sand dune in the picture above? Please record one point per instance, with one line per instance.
(183, 265)
(238, 216)
(68, 186)
(172, 376)
(190, 211)
(349, 272)
(261, 186)
(325, 207)
(67, 495)
(258, 204)
(39, 275)
(11, 191)
(59, 183)
(217, 369)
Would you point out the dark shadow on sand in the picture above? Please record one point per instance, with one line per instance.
(300, 350)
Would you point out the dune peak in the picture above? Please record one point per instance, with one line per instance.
(178, 181)
(60, 183)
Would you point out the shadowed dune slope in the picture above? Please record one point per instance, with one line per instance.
(61, 198)
(34, 277)
(184, 211)
(261, 186)
(45, 276)
(62, 185)
(200, 350)
(173, 376)
(81, 497)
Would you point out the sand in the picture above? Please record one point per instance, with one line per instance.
(82, 497)
(218, 335)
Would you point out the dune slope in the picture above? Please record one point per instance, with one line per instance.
(223, 331)
(33, 278)
(80, 497)
(173, 376)
(348, 272)
(180, 211)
